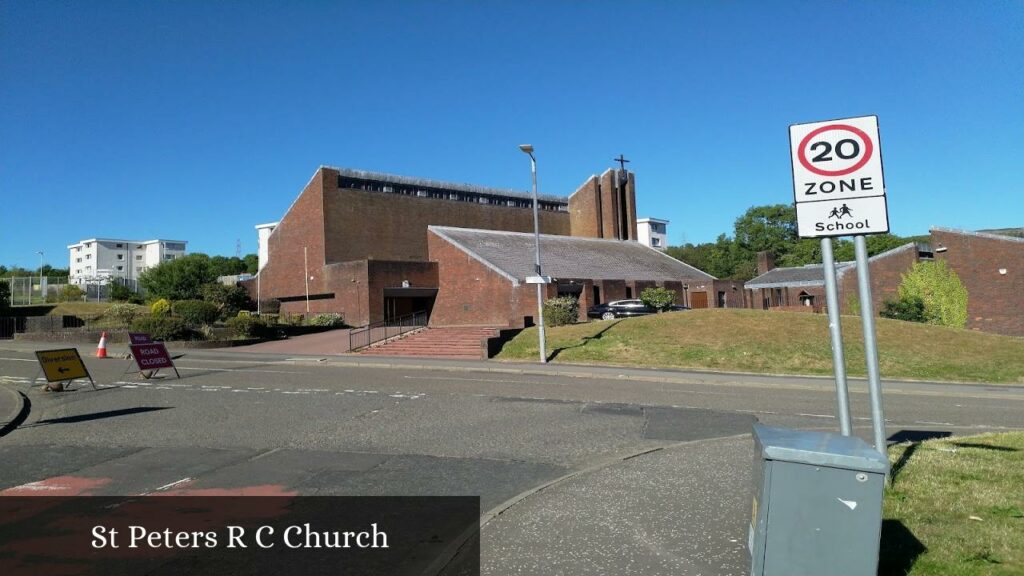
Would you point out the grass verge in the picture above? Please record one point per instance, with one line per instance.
(778, 342)
(955, 507)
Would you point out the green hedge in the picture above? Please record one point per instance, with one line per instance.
(561, 311)
(164, 328)
(196, 312)
(247, 326)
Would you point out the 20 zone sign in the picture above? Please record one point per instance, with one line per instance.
(837, 159)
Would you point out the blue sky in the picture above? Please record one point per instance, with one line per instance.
(197, 120)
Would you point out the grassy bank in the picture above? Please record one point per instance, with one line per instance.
(779, 342)
(956, 508)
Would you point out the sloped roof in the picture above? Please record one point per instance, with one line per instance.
(511, 254)
(809, 275)
(813, 274)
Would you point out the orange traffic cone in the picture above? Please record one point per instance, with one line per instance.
(101, 350)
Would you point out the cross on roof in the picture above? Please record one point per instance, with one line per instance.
(622, 162)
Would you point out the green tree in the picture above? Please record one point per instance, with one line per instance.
(227, 266)
(178, 279)
(771, 228)
(229, 300)
(940, 289)
(252, 263)
(658, 298)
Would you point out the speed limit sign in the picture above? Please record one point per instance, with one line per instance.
(838, 183)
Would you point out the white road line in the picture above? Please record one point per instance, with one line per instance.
(20, 359)
(172, 484)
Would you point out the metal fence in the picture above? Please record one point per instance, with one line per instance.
(31, 290)
(378, 331)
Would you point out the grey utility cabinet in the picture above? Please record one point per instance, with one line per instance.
(817, 506)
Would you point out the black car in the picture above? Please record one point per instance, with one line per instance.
(624, 309)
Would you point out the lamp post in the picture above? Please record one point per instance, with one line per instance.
(41, 288)
(528, 149)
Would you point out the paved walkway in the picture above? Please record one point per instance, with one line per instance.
(332, 342)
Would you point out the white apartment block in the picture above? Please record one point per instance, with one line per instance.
(652, 232)
(99, 259)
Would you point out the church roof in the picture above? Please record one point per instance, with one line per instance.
(511, 254)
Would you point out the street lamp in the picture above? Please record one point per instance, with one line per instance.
(41, 289)
(539, 279)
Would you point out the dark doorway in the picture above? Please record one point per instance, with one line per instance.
(400, 302)
(721, 299)
(597, 295)
(629, 293)
(806, 299)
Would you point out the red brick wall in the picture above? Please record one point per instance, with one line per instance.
(381, 226)
(389, 274)
(469, 293)
(886, 275)
(585, 210)
(995, 302)
(301, 226)
(734, 294)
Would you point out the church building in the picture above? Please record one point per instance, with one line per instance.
(374, 246)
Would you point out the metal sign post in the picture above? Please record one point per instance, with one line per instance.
(867, 319)
(836, 329)
(839, 189)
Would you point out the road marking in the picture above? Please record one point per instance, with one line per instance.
(172, 484)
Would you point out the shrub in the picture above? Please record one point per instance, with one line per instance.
(271, 306)
(248, 326)
(196, 312)
(660, 299)
(122, 313)
(178, 279)
(5, 295)
(161, 308)
(940, 289)
(908, 309)
(70, 293)
(164, 328)
(330, 319)
(561, 311)
(228, 299)
(122, 293)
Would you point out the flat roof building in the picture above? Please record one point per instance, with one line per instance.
(100, 259)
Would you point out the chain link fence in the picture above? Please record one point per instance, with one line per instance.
(33, 290)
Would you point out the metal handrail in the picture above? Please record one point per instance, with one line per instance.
(374, 332)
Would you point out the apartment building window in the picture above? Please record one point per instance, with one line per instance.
(138, 256)
(120, 256)
(78, 259)
(120, 267)
(119, 246)
(88, 256)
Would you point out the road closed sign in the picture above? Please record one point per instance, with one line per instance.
(838, 184)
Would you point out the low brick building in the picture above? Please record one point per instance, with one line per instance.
(483, 273)
(357, 243)
(990, 266)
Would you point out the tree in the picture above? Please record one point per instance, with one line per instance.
(771, 228)
(940, 289)
(228, 299)
(178, 279)
(658, 298)
(252, 263)
(227, 266)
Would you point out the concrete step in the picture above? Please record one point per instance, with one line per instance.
(438, 342)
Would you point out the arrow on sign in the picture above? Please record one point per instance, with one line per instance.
(63, 370)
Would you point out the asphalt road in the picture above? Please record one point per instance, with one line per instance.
(579, 470)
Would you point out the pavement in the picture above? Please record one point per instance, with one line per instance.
(580, 469)
(12, 408)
